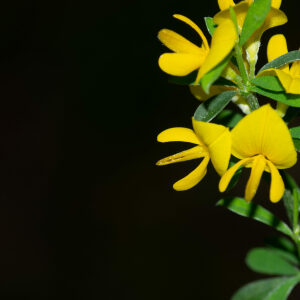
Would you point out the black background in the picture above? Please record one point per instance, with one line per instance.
(84, 211)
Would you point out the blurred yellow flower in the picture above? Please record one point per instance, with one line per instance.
(263, 143)
(213, 142)
(188, 57)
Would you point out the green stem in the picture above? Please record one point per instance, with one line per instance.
(241, 65)
(252, 101)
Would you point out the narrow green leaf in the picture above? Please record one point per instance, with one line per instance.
(288, 201)
(256, 212)
(211, 108)
(267, 289)
(269, 83)
(209, 78)
(290, 257)
(282, 60)
(255, 17)
(289, 99)
(210, 25)
(280, 242)
(266, 261)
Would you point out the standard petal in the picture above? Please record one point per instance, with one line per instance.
(290, 83)
(295, 86)
(180, 64)
(223, 41)
(225, 4)
(276, 17)
(240, 9)
(277, 185)
(276, 47)
(178, 134)
(199, 94)
(264, 132)
(195, 27)
(193, 178)
(226, 178)
(218, 140)
(193, 153)
(257, 169)
(178, 43)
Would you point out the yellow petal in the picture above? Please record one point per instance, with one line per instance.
(290, 83)
(193, 178)
(199, 94)
(226, 178)
(178, 134)
(193, 153)
(276, 17)
(195, 27)
(276, 3)
(264, 132)
(276, 47)
(178, 43)
(225, 4)
(240, 9)
(223, 41)
(277, 185)
(218, 140)
(258, 167)
(179, 64)
(295, 69)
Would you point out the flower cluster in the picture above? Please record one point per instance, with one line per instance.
(223, 72)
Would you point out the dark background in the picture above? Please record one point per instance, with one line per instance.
(84, 211)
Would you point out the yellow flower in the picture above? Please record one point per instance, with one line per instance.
(213, 142)
(288, 76)
(276, 17)
(263, 143)
(188, 57)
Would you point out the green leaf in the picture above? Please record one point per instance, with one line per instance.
(288, 201)
(282, 243)
(282, 60)
(267, 289)
(256, 212)
(255, 17)
(266, 261)
(210, 25)
(269, 83)
(209, 78)
(295, 132)
(211, 108)
(289, 99)
(228, 118)
(297, 144)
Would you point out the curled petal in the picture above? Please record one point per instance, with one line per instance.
(195, 27)
(180, 64)
(226, 178)
(217, 138)
(178, 43)
(276, 3)
(223, 41)
(193, 153)
(193, 178)
(258, 167)
(277, 185)
(178, 134)
(276, 17)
